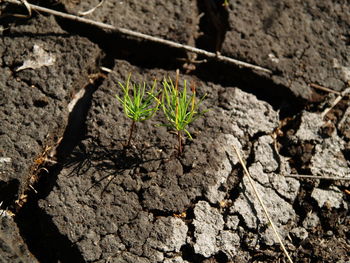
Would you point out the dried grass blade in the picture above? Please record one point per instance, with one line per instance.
(262, 204)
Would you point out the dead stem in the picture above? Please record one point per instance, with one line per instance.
(316, 177)
(262, 204)
(316, 86)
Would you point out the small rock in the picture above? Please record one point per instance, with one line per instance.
(256, 171)
(228, 242)
(299, 233)
(168, 234)
(285, 186)
(232, 222)
(311, 221)
(226, 142)
(250, 209)
(264, 153)
(252, 115)
(208, 223)
(329, 233)
(328, 159)
(331, 197)
(309, 126)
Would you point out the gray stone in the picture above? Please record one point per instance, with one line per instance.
(168, 234)
(311, 221)
(299, 233)
(264, 153)
(309, 126)
(247, 205)
(250, 114)
(226, 142)
(331, 197)
(228, 242)
(285, 186)
(232, 222)
(207, 224)
(256, 171)
(328, 159)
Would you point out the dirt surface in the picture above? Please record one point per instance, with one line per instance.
(306, 43)
(35, 102)
(70, 191)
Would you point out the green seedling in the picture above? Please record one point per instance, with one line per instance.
(138, 104)
(180, 109)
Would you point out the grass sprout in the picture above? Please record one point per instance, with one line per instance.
(138, 104)
(180, 109)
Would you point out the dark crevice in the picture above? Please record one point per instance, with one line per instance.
(221, 257)
(76, 128)
(8, 193)
(279, 97)
(213, 25)
(304, 204)
(189, 254)
(148, 54)
(41, 235)
(143, 53)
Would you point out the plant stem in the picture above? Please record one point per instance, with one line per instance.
(179, 137)
(131, 131)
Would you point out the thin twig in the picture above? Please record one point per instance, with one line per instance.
(88, 12)
(316, 86)
(262, 204)
(316, 177)
(336, 101)
(145, 37)
(27, 6)
(2, 211)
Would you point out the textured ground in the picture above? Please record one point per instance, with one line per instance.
(71, 192)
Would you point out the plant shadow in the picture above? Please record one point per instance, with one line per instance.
(110, 161)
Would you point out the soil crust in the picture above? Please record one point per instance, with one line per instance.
(72, 191)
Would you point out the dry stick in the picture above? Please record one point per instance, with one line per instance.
(262, 204)
(2, 211)
(27, 6)
(316, 86)
(145, 37)
(316, 177)
(85, 13)
(335, 102)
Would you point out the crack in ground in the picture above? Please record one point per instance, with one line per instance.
(38, 230)
(167, 58)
